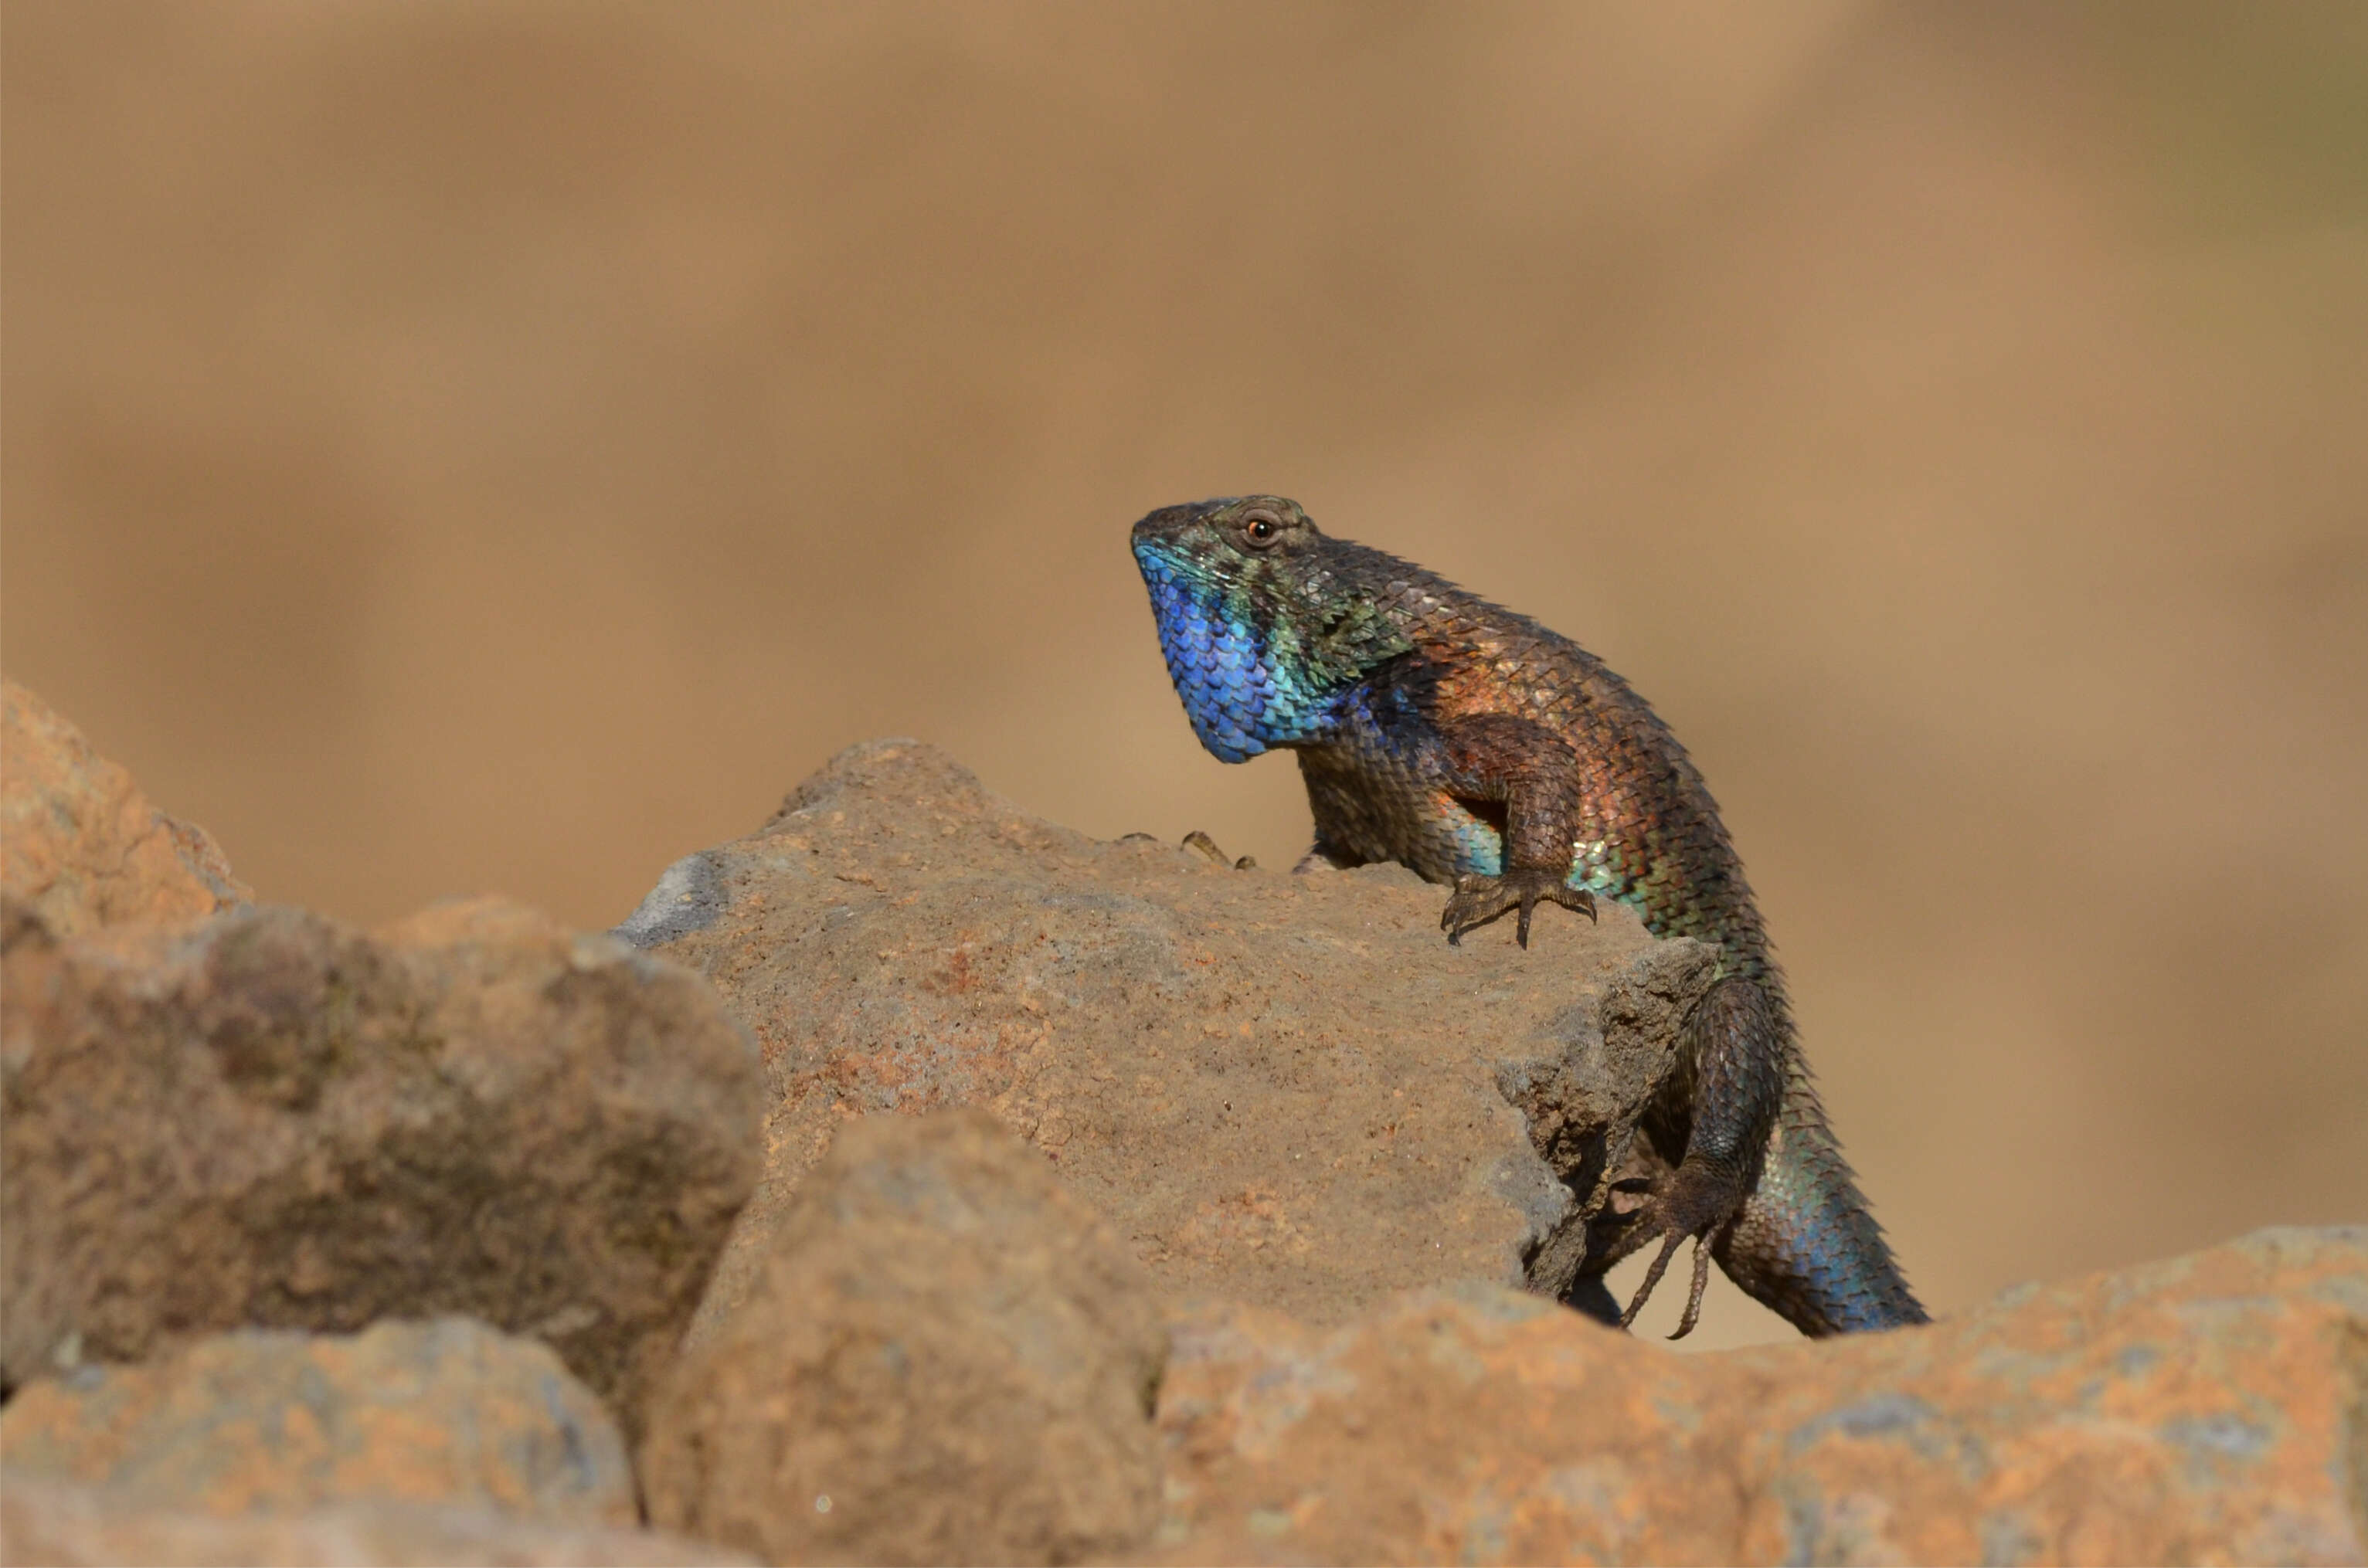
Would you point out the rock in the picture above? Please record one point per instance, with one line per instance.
(73, 1527)
(446, 1412)
(268, 1119)
(2208, 1408)
(80, 845)
(1283, 1089)
(947, 1358)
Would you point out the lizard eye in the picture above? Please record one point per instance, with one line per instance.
(1260, 529)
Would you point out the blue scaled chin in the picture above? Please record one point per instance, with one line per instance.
(1237, 703)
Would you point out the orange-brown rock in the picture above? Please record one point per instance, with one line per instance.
(79, 844)
(78, 1526)
(947, 1358)
(2209, 1409)
(268, 1119)
(447, 1410)
(1283, 1089)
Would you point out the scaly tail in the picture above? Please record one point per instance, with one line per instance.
(1805, 1244)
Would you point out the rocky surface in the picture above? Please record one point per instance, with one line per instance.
(446, 1412)
(80, 845)
(2214, 1408)
(1286, 1090)
(1351, 1166)
(947, 1358)
(268, 1119)
(77, 1527)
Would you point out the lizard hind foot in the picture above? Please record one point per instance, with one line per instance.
(1699, 1203)
(1479, 899)
(1692, 1314)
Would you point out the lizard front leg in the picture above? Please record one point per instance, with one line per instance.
(1533, 774)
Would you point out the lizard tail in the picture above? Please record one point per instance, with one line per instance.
(1806, 1244)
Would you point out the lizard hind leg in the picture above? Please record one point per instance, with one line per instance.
(1732, 1073)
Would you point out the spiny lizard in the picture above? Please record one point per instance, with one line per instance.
(1477, 746)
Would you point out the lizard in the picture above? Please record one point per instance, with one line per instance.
(1440, 730)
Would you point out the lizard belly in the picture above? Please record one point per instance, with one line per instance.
(1371, 806)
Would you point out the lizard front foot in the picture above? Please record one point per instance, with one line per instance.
(1202, 844)
(1480, 899)
(1699, 1200)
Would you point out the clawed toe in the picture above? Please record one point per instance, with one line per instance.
(1476, 899)
(1697, 1203)
(1479, 899)
(1669, 1246)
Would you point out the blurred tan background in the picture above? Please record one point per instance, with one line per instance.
(502, 446)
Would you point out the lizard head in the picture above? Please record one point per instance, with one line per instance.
(1260, 633)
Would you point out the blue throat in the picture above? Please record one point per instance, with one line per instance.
(1237, 690)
